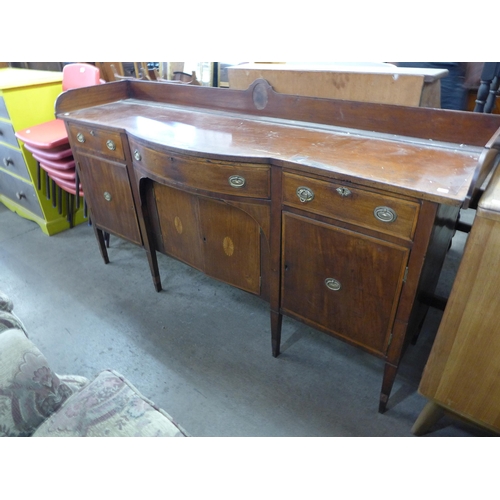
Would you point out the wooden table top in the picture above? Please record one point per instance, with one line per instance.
(433, 170)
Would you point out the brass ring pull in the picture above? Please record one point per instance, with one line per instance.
(333, 284)
(343, 191)
(111, 145)
(80, 137)
(236, 181)
(137, 155)
(385, 214)
(107, 196)
(305, 194)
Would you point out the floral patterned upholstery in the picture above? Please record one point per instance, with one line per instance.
(109, 406)
(35, 401)
(29, 390)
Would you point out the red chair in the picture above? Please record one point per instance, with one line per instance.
(49, 144)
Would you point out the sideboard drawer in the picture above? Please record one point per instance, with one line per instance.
(350, 204)
(20, 192)
(225, 177)
(97, 141)
(7, 134)
(12, 160)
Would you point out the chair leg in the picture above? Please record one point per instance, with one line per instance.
(47, 185)
(59, 197)
(54, 197)
(38, 176)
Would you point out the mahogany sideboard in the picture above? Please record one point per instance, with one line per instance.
(337, 213)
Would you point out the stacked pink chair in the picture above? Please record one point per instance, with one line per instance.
(49, 144)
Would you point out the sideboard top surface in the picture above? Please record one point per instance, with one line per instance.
(426, 167)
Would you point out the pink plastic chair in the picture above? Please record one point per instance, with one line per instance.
(49, 144)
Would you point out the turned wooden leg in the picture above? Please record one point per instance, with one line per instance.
(387, 383)
(276, 320)
(431, 413)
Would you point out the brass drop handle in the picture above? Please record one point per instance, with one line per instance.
(80, 137)
(385, 214)
(343, 191)
(236, 181)
(8, 161)
(333, 284)
(107, 196)
(110, 145)
(137, 155)
(20, 195)
(305, 194)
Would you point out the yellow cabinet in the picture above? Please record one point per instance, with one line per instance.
(27, 98)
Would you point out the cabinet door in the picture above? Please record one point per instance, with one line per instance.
(231, 245)
(178, 220)
(221, 240)
(342, 281)
(107, 190)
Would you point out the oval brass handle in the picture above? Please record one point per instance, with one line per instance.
(305, 194)
(333, 284)
(385, 214)
(20, 195)
(236, 181)
(80, 137)
(137, 155)
(107, 196)
(8, 161)
(111, 145)
(343, 191)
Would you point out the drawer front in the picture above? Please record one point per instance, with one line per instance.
(7, 134)
(3, 109)
(12, 160)
(350, 204)
(96, 140)
(20, 192)
(231, 178)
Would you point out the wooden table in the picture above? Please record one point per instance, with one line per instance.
(337, 213)
(385, 84)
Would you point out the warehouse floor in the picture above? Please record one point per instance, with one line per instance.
(200, 349)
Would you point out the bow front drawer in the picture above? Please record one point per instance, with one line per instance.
(251, 180)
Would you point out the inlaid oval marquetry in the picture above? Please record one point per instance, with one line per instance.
(228, 246)
(178, 225)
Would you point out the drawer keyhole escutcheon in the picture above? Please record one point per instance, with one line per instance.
(333, 284)
(385, 214)
(236, 181)
(137, 155)
(111, 145)
(305, 194)
(107, 196)
(343, 191)
(92, 133)
(80, 137)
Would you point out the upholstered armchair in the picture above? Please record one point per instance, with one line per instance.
(36, 401)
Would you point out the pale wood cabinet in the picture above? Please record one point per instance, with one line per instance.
(336, 213)
(461, 376)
